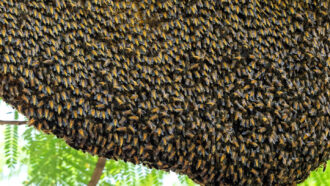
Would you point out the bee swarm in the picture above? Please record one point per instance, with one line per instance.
(227, 92)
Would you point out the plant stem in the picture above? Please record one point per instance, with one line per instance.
(97, 171)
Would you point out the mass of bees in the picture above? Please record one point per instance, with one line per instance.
(228, 92)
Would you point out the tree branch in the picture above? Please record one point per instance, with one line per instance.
(2, 122)
(97, 171)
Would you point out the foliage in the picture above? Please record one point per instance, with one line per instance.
(11, 152)
(11, 143)
(51, 162)
(318, 177)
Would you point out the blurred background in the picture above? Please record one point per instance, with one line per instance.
(29, 157)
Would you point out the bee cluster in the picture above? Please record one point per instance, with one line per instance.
(227, 92)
